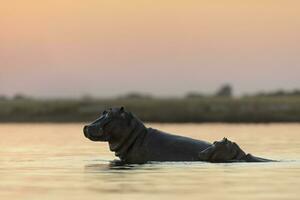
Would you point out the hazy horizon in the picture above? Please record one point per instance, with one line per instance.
(164, 48)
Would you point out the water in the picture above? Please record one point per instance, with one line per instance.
(55, 161)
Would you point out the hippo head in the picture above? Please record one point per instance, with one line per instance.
(115, 126)
(108, 125)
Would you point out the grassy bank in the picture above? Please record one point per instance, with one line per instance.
(209, 109)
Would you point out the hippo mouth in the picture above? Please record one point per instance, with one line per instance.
(95, 131)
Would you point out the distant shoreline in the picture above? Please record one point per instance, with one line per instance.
(163, 110)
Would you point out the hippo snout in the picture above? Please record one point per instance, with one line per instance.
(85, 131)
(94, 132)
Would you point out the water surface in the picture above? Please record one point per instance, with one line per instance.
(55, 161)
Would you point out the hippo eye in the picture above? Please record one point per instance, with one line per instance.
(108, 114)
(104, 112)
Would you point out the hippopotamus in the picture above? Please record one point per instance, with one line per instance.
(134, 143)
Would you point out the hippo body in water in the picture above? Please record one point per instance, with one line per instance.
(133, 143)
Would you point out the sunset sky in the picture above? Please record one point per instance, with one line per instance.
(68, 48)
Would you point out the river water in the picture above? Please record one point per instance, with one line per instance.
(55, 161)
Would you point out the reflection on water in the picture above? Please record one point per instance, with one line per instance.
(55, 161)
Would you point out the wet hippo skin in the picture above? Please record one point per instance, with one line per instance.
(133, 143)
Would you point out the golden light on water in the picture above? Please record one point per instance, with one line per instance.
(55, 161)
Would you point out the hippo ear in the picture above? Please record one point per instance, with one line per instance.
(122, 109)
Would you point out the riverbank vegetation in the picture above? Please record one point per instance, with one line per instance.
(272, 107)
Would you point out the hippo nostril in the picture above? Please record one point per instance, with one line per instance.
(85, 130)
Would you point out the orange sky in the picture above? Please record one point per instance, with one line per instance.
(164, 47)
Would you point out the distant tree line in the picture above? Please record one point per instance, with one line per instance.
(208, 109)
(225, 91)
(279, 93)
